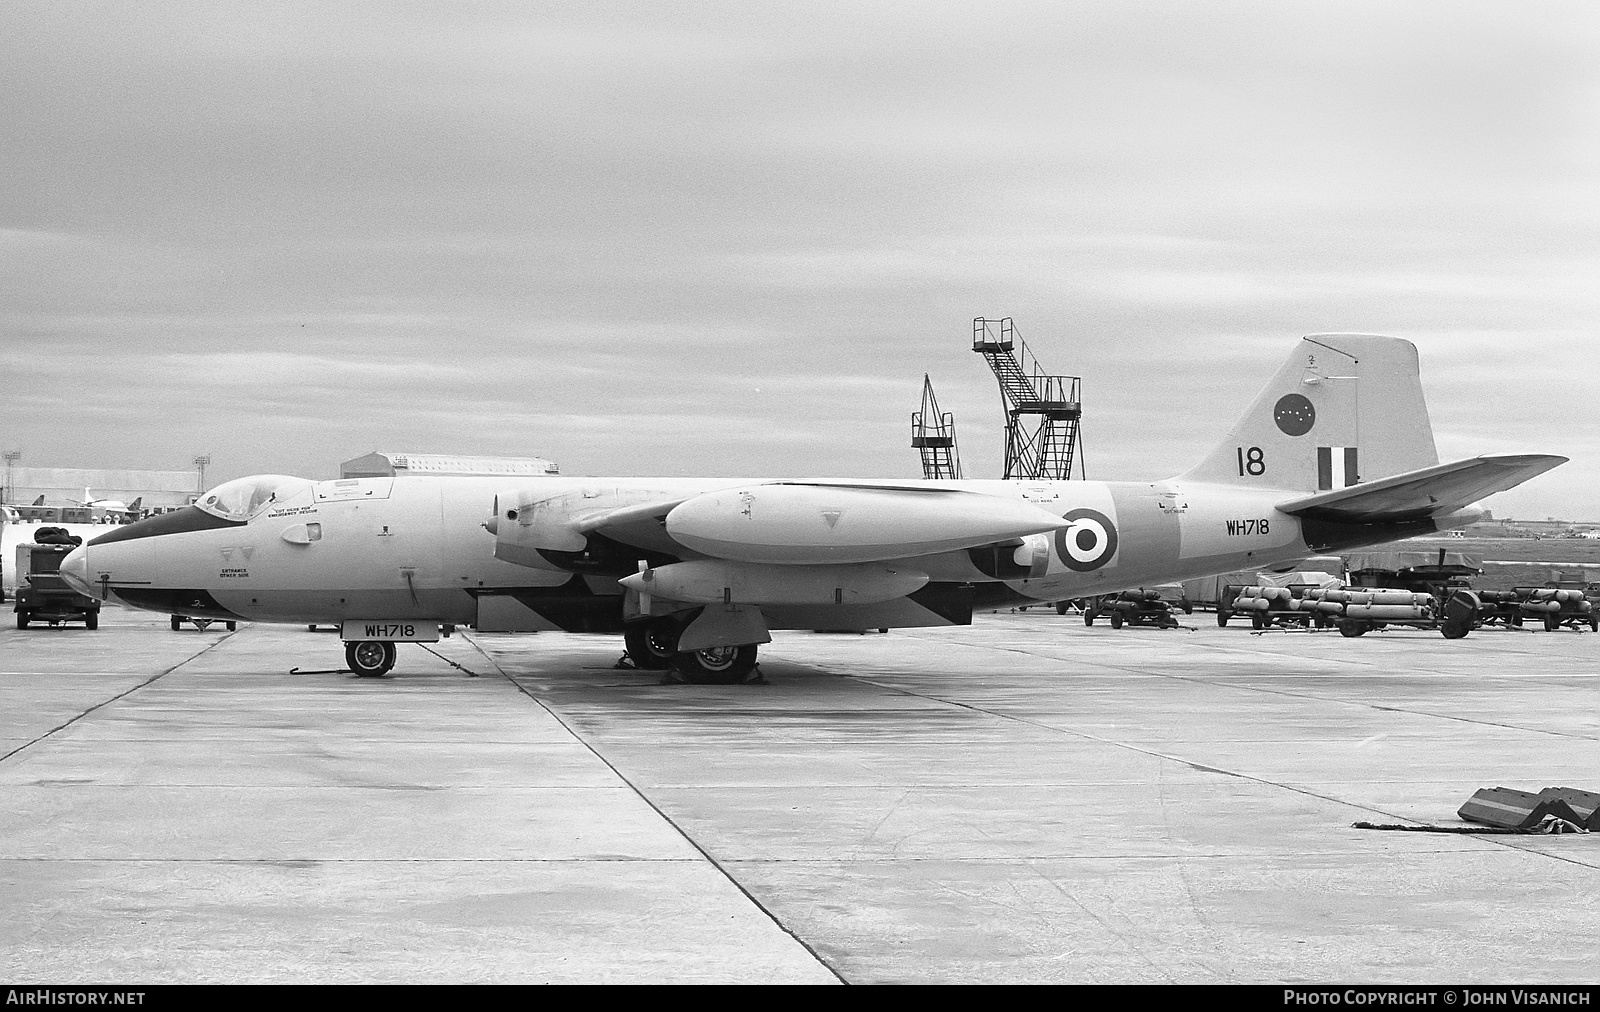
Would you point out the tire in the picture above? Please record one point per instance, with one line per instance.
(1459, 614)
(1061, 607)
(22, 618)
(230, 626)
(652, 645)
(716, 665)
(1088, 616)
(311, 628)
(1552, 621)
(1352, 629)
(177, 623)
(369, 658)
(1187, 606)
(1222, 617)
(1116, 619)
(1594, 623)
(91, 620)
(1258, 620)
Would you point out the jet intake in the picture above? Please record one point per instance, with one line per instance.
(711, 581)
(796, 524)
(559, 532)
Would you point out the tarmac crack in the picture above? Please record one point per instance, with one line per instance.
(1287, 693)
(121, 695)
(1264, 781)
(1129, 746)
(668, 819)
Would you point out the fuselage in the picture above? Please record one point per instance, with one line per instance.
(423, 548)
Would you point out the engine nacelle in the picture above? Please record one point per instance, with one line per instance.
(784, 524)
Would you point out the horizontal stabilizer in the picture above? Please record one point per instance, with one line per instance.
(1426, 492)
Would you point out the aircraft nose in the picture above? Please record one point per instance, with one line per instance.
(75, 570)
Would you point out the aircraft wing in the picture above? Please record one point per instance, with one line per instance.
(777, 522)
(1426, 492)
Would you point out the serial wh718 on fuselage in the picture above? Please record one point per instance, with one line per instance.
(1337, 452)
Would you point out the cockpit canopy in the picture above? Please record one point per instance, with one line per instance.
(243, 498)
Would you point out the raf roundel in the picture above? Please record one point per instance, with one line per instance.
(1294, 414)
(1089, 543)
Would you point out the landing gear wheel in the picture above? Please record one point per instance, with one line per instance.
(1552, 621)
(1061, 607)
(1116, 620)
(22, 619)
(177, 623)
(1352, 629)
(229, 625)
(1089, 615)
(652, 645)
(716, 665)
(1594, 623)
(91, 620)
(369, 658)
(1223, 616)
(1258, 620)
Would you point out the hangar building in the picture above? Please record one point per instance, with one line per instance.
(158, 490)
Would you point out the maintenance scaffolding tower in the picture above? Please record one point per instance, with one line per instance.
(934, 436)
(1042, 412)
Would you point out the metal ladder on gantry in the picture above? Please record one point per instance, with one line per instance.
(933, 434)
(1042, 411)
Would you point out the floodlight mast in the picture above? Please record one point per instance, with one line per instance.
(1042, 411)
(11, 457)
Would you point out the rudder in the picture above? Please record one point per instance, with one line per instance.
(1343, 408)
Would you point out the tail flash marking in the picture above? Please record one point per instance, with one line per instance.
(1336, 467)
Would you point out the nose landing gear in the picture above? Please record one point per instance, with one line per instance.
(369, 658)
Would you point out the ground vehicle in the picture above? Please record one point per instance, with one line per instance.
(1134, 607)
(42, 596)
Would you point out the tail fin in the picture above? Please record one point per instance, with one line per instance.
(1344, 408)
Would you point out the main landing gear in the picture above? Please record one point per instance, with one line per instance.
(653, 646)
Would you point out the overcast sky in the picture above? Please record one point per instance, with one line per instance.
(673, 238)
